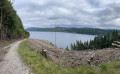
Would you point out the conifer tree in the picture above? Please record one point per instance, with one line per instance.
(99, 42)
(11, 20)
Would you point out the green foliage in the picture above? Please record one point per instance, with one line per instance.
(11, 20)
(99, 42)
(52, 44)
(67, 49)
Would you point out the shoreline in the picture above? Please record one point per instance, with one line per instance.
(65, 32)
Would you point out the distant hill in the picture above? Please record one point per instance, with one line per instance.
(90, 31)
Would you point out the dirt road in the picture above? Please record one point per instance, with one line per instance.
(12, 63)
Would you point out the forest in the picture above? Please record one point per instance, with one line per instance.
(89, 31)
(11, 26)
(99, 42)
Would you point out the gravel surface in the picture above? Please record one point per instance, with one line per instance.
(12, 63)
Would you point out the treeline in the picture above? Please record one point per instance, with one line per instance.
(90, 31)
(99, 42)
(11, 26)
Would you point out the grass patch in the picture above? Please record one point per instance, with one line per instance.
(39, 65)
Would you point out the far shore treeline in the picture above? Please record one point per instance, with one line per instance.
(99, 42)
(11, 26)
(89, 31)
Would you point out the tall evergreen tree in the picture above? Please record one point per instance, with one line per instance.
(99, 42)
(11, 20)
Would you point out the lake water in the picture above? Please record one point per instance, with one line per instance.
(62, 39)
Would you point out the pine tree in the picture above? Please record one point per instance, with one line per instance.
(99, 42)
(11, 20)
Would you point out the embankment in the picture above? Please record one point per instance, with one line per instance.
(45, 58)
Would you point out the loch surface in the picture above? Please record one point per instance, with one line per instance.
(62, 39)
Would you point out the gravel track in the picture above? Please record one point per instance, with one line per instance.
(12, 63)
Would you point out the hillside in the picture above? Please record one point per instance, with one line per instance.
(11, 26)
(46, 59)
(91, 31)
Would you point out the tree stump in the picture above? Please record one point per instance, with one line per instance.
(44, 53)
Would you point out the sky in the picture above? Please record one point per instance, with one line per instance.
(104, 14)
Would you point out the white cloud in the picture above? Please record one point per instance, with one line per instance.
(76, 13)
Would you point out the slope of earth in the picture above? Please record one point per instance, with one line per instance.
(73, 58)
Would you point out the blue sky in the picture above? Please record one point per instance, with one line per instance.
(103, 14)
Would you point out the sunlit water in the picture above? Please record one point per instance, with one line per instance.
(62, 39)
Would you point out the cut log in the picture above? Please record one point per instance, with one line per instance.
(117, 42)
(115, 45)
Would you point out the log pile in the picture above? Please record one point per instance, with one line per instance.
(116, 44)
